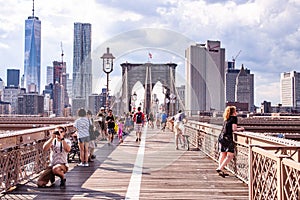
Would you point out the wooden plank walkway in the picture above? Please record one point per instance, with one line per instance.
(152, 169)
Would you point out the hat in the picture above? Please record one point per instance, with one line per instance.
(102, 108)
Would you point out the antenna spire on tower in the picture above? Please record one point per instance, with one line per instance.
(62, 53)
(32, 8)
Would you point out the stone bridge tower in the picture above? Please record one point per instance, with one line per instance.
(148, 74)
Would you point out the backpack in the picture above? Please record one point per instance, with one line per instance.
(139, 117)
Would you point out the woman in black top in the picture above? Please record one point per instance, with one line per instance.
(110, 121)
(227, 149)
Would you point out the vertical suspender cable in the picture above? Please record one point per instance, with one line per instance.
(145, 96)
(150, 77)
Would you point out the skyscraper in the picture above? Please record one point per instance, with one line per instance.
(49, 75)
(244, 88)
(205, 65)
(30, 104)
(1, 89)
(60, 95)
(32, 57)
(13, 77)
(290, 89)
(230, 81)
(82, 62)
(239, 84)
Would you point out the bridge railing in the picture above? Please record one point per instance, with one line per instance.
(22, 156)
(273, 173)
(204, 137)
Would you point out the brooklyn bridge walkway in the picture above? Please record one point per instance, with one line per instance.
(150, 169)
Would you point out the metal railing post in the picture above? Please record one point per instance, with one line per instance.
(250, 181)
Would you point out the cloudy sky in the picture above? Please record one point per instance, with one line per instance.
(266, 32)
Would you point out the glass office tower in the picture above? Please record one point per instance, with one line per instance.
(82, 62)
(13, 77)
(32, 57)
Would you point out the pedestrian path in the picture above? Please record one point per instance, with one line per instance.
(150, 169)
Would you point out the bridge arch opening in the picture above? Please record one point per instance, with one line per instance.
(137, 96)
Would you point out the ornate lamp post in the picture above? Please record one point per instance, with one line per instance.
(133, 100)
(107, 68)
(166, 92)
(156, 103)
(173, 101)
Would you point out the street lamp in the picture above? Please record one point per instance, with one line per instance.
(173, 101)
(133, 100)
(107, 68)
(157, 104)
(166, 92)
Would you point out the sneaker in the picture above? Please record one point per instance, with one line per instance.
(81, 164)
(176, 148)
(63, 183)
(137, 139)
(86, 164)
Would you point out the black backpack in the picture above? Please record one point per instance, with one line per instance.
(139, 118)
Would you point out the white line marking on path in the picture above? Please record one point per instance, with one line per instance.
(133, 190)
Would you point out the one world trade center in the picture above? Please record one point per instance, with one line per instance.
(32, 57)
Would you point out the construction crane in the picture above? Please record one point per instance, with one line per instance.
(234, 58)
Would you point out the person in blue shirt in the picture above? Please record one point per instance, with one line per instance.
(164, 118)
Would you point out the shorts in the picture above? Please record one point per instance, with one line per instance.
(111, 131)
(138, 127)
(229, 147)
(84, 139)
(64, 167)
(178, 128)
(47, 175)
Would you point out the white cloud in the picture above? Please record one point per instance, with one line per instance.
(267, 32)
(4, 46)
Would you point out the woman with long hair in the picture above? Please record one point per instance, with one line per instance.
(227, 148)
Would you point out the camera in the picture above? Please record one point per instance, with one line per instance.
(56, 133)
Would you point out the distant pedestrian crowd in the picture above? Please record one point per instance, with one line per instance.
(91, 129)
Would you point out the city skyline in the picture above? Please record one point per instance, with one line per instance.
(267, 33)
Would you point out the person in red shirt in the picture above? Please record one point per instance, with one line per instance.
(138, 119)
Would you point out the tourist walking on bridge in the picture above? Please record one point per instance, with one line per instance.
(101, 121)
(179, 127)
(93, 137)
(128, 123)
(151, 120)
(110, 121)
(157, 119)
(164, 118)
(226, 143)
(138, 118)
(82, 125)
(59, 148)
